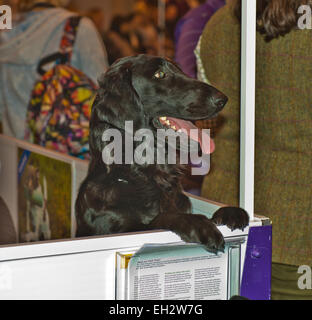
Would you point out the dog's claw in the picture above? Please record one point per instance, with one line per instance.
(221, 249)
(204, 231)
(215, 250)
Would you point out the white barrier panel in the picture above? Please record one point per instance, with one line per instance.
(86, 268)
(81, 268)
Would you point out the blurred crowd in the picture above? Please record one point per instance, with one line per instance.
(141, 31)
(146, 29)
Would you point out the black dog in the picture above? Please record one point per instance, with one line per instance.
(119, 198)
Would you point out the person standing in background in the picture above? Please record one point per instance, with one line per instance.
(187, 33)
(175, 9)
(38, 34)
(283, 137)
(188, 30)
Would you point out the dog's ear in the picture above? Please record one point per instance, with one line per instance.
(117, 100)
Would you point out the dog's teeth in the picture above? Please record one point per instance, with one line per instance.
(167, 122)
(174, 127)
(163, 118)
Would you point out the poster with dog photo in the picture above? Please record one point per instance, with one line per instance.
(44, 197)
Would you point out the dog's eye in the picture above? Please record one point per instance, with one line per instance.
(159, 75)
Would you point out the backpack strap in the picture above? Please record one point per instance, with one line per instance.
(66, 46)
(69, 36)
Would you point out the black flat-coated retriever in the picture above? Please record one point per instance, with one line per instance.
(116, 198)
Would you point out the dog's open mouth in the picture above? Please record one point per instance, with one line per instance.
(187, 127)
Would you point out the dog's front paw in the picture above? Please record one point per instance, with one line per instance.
(232, 217)
(204, 231)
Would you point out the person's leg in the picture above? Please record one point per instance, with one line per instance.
(285, 283)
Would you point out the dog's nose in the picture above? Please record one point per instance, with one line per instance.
(220, 101)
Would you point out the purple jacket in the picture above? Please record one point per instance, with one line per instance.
(188, 31)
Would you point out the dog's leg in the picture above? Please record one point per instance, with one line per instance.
(232, 217)
(194, 228)
(183, 203)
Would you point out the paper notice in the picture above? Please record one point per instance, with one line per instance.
(189, 274)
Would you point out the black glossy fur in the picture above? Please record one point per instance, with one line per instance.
(127, 198)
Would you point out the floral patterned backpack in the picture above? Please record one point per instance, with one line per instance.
(60, 107)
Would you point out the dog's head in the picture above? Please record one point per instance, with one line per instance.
(154, 93)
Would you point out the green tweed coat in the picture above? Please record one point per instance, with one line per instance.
(283, 165)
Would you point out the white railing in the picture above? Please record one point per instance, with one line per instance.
(248, 87)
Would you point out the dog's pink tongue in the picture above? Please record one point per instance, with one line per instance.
(206, 143)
